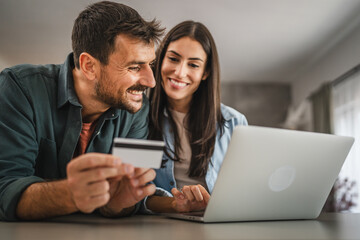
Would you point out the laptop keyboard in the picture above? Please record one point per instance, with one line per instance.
(198, 214)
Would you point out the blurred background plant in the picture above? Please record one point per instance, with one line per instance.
(342, 197)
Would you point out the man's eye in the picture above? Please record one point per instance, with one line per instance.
(135, 69)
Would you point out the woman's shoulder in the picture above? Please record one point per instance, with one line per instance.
(230, 114)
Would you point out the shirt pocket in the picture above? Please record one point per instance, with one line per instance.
(46, 165)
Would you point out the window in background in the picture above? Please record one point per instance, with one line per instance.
(346, 110)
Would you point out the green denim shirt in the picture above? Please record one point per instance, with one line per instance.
(40, 124)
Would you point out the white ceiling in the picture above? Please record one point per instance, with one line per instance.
(258, 40)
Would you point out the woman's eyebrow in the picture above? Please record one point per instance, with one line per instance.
(177, 54)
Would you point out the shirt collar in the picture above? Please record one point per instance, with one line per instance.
(166, 113)
(66, 90)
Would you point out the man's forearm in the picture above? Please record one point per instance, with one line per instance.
(45, 199)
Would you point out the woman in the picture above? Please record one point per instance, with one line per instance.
(187, 114)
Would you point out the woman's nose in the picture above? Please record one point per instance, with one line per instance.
(181, 70)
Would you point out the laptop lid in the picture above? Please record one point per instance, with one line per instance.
(276, 174)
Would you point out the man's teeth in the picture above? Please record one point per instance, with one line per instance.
(135, 92)
(180, 84)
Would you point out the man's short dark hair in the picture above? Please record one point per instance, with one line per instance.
(96, 28)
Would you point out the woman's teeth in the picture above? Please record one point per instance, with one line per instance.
(180, 84)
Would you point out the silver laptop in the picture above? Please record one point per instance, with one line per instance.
(274, 174)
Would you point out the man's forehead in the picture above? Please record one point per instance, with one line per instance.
(127, 41)
(131, 49)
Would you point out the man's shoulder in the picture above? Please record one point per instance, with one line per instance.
(25, 72)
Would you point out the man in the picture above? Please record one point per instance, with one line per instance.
(57, 122)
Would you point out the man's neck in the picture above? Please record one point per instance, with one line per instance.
(84, 88)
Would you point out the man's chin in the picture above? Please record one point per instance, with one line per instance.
(134, 108)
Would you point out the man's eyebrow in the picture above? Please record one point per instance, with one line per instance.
(135, 63)
(139, 62)
(177, 54)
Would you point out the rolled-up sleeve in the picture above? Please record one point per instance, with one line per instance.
(159, 192)
(18, 145)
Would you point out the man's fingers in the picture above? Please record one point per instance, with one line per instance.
(98, 188)
(92, 160)
(196, 192)
(146, 177)
(140, 171)
(96, 174)
(145, 191)
(100, 200)
(126, 169)
(89, 204)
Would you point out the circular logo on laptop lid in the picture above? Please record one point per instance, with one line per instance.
(282, 178)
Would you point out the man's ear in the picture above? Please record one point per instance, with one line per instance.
(88, 65)
(205, 75)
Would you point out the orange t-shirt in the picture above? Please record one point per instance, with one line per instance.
(84, 139)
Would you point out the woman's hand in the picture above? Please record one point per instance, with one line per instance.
(190, 198)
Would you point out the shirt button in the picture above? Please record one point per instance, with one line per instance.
(172, 183)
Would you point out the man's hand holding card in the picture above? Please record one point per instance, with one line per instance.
(139, 152)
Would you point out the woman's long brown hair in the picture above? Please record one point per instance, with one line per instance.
(204, 116)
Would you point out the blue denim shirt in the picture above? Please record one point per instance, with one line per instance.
(165, 179)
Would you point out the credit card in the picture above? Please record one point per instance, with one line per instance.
(139, 152)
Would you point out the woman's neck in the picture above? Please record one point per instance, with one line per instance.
(182, 105)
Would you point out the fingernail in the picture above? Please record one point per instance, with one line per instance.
(135, 182)
(139, 192)
(128, 169)
(181, 196)
(117, 161)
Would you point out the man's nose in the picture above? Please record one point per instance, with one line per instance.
(148, 78)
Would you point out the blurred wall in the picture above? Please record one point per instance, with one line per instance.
(264, 104)
(3, 63)
(340, 59)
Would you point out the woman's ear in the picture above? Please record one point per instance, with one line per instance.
(205, 75)
(88, 65)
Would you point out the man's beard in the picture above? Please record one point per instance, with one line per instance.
(103, 90)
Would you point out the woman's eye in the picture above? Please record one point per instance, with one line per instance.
(173, 59)
(193, 65)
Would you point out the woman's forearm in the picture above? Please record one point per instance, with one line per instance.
(160, 204)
